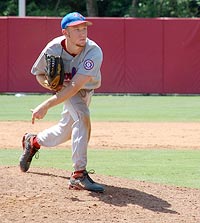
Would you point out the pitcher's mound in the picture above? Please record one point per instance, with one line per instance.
(42, 195)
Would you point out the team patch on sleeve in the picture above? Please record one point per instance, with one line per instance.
(88, 64)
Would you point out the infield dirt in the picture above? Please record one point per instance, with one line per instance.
(42, 195)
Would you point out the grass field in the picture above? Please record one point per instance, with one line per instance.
(175, 167)
(112, 108)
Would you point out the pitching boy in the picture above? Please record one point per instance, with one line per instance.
(82, 59)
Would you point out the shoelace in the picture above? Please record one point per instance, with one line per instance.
(92, 171)
(37, 155)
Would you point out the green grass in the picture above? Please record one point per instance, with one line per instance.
(175, 167)
(112, 108)
(146, 108)
(19, 108)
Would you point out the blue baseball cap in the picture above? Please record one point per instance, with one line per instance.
(73, 19)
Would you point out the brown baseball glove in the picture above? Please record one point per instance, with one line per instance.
(54, 72)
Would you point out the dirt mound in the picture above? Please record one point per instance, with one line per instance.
(42, 195)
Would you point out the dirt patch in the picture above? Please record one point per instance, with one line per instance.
(116, 135)
(42, 195)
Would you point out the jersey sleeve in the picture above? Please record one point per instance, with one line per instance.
(91, 63)
(90, 66)
(39, 65)
(52, 48)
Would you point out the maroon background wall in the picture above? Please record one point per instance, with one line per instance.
(140, 55)
(182, 56)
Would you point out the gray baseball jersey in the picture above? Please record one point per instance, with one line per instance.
(88, 62)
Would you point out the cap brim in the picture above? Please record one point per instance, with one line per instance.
(80, 22)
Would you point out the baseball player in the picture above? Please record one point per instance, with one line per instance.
(82, 60)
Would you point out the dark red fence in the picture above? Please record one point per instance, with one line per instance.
(140, 55)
